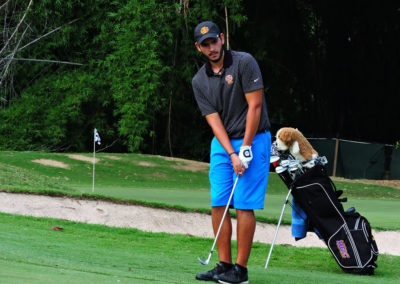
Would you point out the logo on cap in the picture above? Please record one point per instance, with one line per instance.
(204, 30)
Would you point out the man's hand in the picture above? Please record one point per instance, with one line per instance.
(237, 165)
(245, 155)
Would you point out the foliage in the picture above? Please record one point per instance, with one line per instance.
(54, 114)
(134, 85)
(138, 60)
(135, 68)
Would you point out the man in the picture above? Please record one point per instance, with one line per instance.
(229, 92)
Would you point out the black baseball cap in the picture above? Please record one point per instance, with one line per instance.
(206, 30)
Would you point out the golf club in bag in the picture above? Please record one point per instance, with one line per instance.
(206, 261)
(347, 234)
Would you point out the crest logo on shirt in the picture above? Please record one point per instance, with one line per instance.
(204, 30)
(229, 79)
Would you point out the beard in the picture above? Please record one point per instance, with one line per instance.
(221, 52)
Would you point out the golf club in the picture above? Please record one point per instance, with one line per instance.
(205, 262)
(280, 169)
(296, 165)
(310, 164)
(274, 159)
(285, 163)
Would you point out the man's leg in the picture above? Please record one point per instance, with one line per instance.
(223, 244)
(225, 235)
(246, 225)
(245, 231)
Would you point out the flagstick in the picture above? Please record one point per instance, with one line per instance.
(94, 161)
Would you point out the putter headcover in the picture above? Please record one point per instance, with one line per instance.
(288, 138)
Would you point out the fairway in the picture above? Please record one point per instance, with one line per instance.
(31, 252)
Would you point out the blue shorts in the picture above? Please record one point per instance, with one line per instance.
(252, 185)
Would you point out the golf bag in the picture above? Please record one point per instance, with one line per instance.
(346, 233)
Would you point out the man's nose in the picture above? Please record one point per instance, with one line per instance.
(213, 46)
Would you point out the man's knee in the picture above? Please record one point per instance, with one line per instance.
(245, 212)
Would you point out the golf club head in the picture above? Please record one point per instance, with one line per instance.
(293, 163)
(309, 164)
(280, 169)
(285, 163)
(274, 159)
(323, 160)
(202, 261)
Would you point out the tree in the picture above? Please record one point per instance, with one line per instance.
(18, 34)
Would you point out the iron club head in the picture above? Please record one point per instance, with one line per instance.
(285, 163)
(274, 159)
(280, 169)
(202, 261)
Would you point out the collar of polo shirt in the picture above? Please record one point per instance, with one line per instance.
(227, 63)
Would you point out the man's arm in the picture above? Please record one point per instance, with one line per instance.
(215, 122)
(254, 100)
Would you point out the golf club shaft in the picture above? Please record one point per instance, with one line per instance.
(223, 218)
(277, 228)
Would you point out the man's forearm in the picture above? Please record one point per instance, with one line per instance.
(254, 100)
(219, 131)
(252, 122)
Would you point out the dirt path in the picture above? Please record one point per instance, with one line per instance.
(157, 220)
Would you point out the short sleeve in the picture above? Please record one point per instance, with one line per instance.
(250, 73)
(202, 101)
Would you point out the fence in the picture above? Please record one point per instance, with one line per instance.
(350, 159)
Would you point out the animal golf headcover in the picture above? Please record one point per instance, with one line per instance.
(288, 138)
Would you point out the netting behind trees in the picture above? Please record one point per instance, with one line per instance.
(360, 160)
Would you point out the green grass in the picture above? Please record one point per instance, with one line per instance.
(155, 181)
(30, 252)
(126, 172)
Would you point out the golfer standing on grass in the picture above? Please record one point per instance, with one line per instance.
(229, 92)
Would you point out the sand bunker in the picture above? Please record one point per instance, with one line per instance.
(158, 220)
(146, 164)
(391, 183)
(113, 157)
(83, 158)
(51, 163)
(188, 165)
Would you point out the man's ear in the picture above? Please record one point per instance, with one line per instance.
(197, 46)
(222, 36)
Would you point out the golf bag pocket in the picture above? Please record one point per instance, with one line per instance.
(361, 232)
(354, 248)
(342, 246)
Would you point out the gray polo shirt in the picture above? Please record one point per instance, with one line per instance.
(225, 93)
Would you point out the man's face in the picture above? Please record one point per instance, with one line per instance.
(212, 48)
